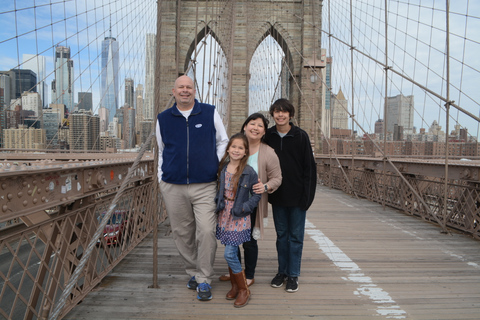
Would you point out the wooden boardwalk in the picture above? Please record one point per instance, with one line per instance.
(359, 262)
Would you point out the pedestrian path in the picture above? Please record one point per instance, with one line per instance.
(360, 261)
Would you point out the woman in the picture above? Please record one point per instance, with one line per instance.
(264, 161)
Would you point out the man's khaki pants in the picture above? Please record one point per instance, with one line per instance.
(191, 210)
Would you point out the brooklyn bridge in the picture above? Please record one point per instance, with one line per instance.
(386, 89)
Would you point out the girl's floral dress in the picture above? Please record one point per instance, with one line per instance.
(229, 231)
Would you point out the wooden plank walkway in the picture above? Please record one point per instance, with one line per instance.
(359, 262)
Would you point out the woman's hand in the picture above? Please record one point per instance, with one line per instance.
(259, 187)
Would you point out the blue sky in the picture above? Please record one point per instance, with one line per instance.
(83, 24)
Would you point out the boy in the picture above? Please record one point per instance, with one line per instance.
(296, 193)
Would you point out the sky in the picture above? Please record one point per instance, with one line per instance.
(38, 26)
(416, 49)
(417, 45)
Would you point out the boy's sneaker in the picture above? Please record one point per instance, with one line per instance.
(278, 281)
(204, 292)
(292, 284)
(192, 283)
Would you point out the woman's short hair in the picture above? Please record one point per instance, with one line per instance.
(255, 116)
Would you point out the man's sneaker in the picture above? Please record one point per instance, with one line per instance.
(203, 292)
(192, 283)
(278, 281)
(292, 284)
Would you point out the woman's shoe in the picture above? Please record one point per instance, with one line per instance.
(224, 277)
(250, 282)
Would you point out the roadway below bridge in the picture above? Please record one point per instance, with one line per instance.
(360, 261)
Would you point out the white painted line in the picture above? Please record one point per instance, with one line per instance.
(367, 288)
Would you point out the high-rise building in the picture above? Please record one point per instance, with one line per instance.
(129, 93)
(21, 80)
(5, 85)
(149, 102)
(61, 109)
(129, 132)
(85, 101)
(340, 113)
(37, 63)
(84, 131)
(109, 76)
(104, 116)
(62, 85)
(31, 101)
(138, 106)
(24, 138)
(400, 112)
(379, 126)
(113, 128)
(51, 123)
(328, 82)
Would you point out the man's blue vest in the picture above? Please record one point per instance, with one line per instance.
(190, 152)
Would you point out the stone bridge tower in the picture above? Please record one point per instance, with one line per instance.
(294, 24)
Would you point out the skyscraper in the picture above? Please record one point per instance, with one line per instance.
(62, 85)
(37, 63)
(400, 112)
(139, 106)
(340, 114)
(104, 115)
(84, 131)
(109, 76)
(31, 101)
(51, 122)
(149, 102)
(21, 80)
(129, 127)
(129, 93)
(85, 101)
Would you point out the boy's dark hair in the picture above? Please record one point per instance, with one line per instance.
(282, 105)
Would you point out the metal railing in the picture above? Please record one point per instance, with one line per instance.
(45, 239)
(49, 211)
(378, 181)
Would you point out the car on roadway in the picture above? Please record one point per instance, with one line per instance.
(115, 228)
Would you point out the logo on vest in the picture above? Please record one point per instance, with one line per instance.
(198, 126)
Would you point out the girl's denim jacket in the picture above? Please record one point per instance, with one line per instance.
(244, 203)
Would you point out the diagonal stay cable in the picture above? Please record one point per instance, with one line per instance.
(74, 278)
(81, 265)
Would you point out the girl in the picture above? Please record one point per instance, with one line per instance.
(235, 202)
(264, 161)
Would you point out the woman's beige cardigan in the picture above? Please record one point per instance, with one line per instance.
(269, 172)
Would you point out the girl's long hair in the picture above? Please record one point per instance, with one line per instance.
(243, 162)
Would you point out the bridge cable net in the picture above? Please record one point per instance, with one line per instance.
(356, 49)
(76, 82)
(371, 55)
(385, 61)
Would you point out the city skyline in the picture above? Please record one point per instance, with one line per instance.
(86, 71)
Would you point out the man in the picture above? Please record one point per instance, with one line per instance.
(191, 141)
(294, 196)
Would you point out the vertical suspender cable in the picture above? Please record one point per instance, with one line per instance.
(230, 67)
(331, 72)
(353, 93)
(447, 108)
(385, 114)
(156, 99)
